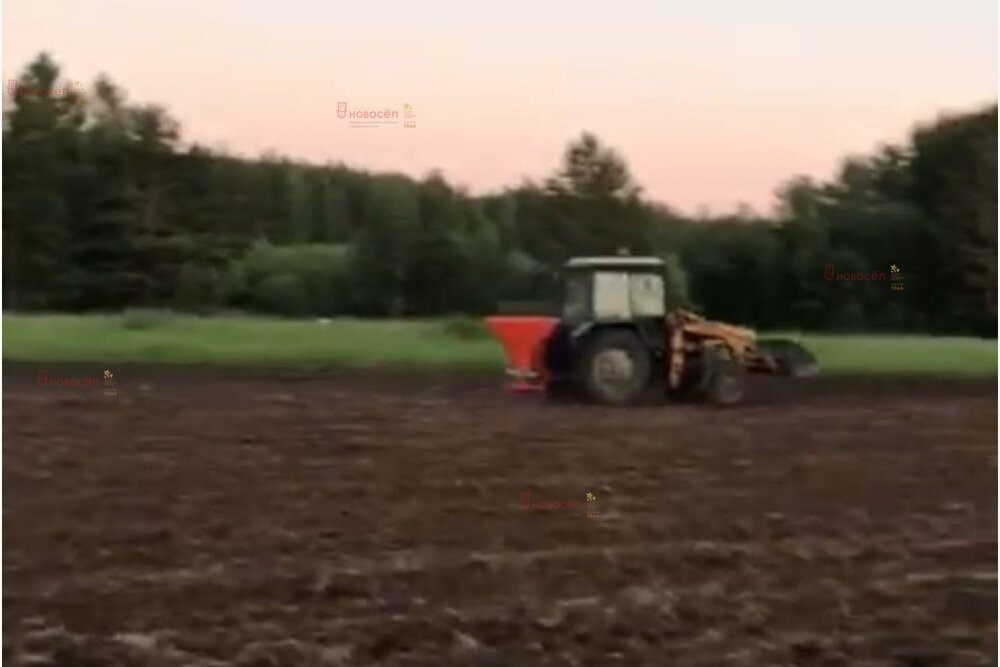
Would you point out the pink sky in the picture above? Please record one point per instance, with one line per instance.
(712, 103)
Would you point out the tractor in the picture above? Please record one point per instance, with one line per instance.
(616, 339)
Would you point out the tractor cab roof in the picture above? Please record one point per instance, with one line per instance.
(618, 262)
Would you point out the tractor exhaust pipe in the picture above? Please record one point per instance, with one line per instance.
(523, 338)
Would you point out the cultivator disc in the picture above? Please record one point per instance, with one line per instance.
(789, 357)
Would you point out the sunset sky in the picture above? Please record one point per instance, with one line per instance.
(711, 103)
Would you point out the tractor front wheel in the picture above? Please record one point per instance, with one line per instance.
(615, 367)
(723, 379)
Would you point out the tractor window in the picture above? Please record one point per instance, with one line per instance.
(576, 306)
(646, 294)
(611, 295)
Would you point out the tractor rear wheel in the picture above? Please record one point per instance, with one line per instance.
(615, 367)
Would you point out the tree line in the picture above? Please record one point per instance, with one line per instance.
(105, 210)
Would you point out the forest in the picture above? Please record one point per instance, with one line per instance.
(105, 208)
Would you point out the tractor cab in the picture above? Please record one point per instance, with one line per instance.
(613, 289)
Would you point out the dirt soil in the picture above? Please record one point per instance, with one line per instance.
(209, 517)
